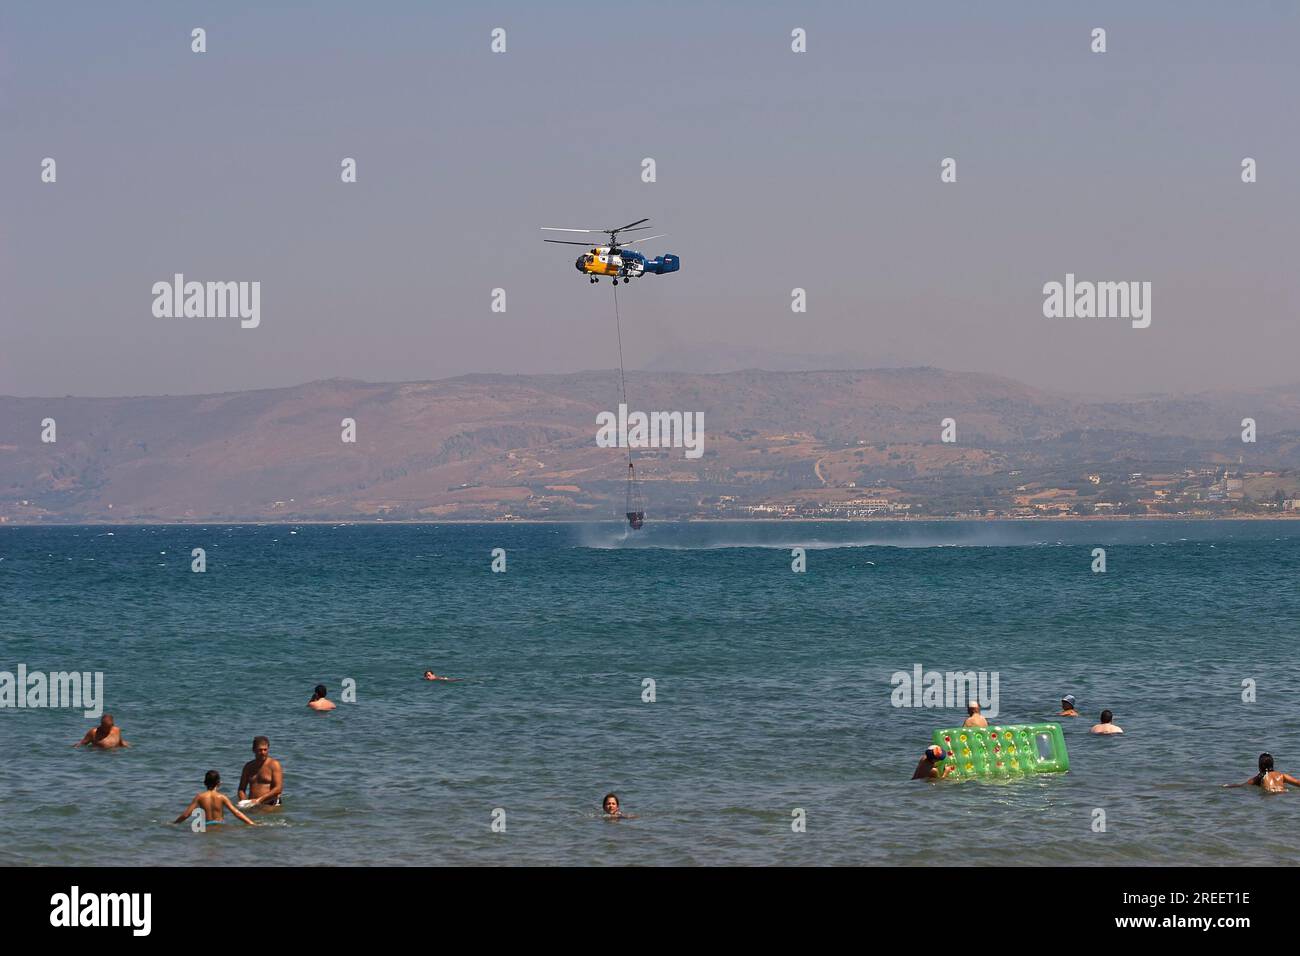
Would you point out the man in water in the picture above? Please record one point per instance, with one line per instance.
(430, 675)
(212, 802)
(106, 736)
(974, 718)
(927, 768)
(1268, 779)
(319, 701)
(1067, 707)
(263, 777)
(1106, 726)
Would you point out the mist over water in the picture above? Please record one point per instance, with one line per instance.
(824, 535)
(773, 690)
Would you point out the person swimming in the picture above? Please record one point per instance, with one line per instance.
(319, 701)
(212, 802)
(1067, 707)
(1107, 725)
(974, 717)
(612, 808)
(430, 675)
(1268, 779)
(105, 737)
(927, 767)
(262, 777)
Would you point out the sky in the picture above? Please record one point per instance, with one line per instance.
(775, 170)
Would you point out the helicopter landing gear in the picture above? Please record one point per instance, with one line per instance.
(626, 280)
(593, 280)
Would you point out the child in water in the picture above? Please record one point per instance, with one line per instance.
(1268, 779)
(212, 802)
(927, 768)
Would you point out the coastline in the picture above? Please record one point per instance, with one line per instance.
(379, 522)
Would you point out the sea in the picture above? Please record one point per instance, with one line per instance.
(746, 713)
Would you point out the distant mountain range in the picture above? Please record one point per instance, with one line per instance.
(488, 446)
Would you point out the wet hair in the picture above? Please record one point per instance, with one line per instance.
(212, 779)
(262, 740)
(320, 690)
(618, 804)
(972, 707)
(930, 753)
(1265, 763)
(1106, 716)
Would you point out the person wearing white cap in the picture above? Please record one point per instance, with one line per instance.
(1067, 707)
(976, 719)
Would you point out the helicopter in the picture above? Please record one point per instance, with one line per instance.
(614, 259)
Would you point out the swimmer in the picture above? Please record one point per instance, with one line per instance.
(926, 768)
(106, 736)
(975, 718)
(319, 701)
(430, 675)
(1268, 779)
(613, 809)
(212, 802)
(1107, 725)
(1067, 707)
(263, 777)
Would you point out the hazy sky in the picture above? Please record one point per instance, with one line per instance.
(775, 170)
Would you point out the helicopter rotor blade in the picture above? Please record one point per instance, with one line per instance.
(631, 242)
(569, 242)
(628, 226)
(562, 229)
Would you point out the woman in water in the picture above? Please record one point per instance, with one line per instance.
(1268, 779)
(613, 809)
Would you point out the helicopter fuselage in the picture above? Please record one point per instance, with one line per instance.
(602, 261)
(624, 263)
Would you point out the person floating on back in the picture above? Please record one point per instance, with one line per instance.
(974, 718)
(106, 736)
(1107, 725)
(1067, 707)
(319, 701)
(928, 766)
(430, 675)
(212, 802)
(1268, 779)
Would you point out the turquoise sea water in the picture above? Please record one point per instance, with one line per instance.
(773, 690)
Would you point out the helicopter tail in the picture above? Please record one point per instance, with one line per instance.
(661, 264)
